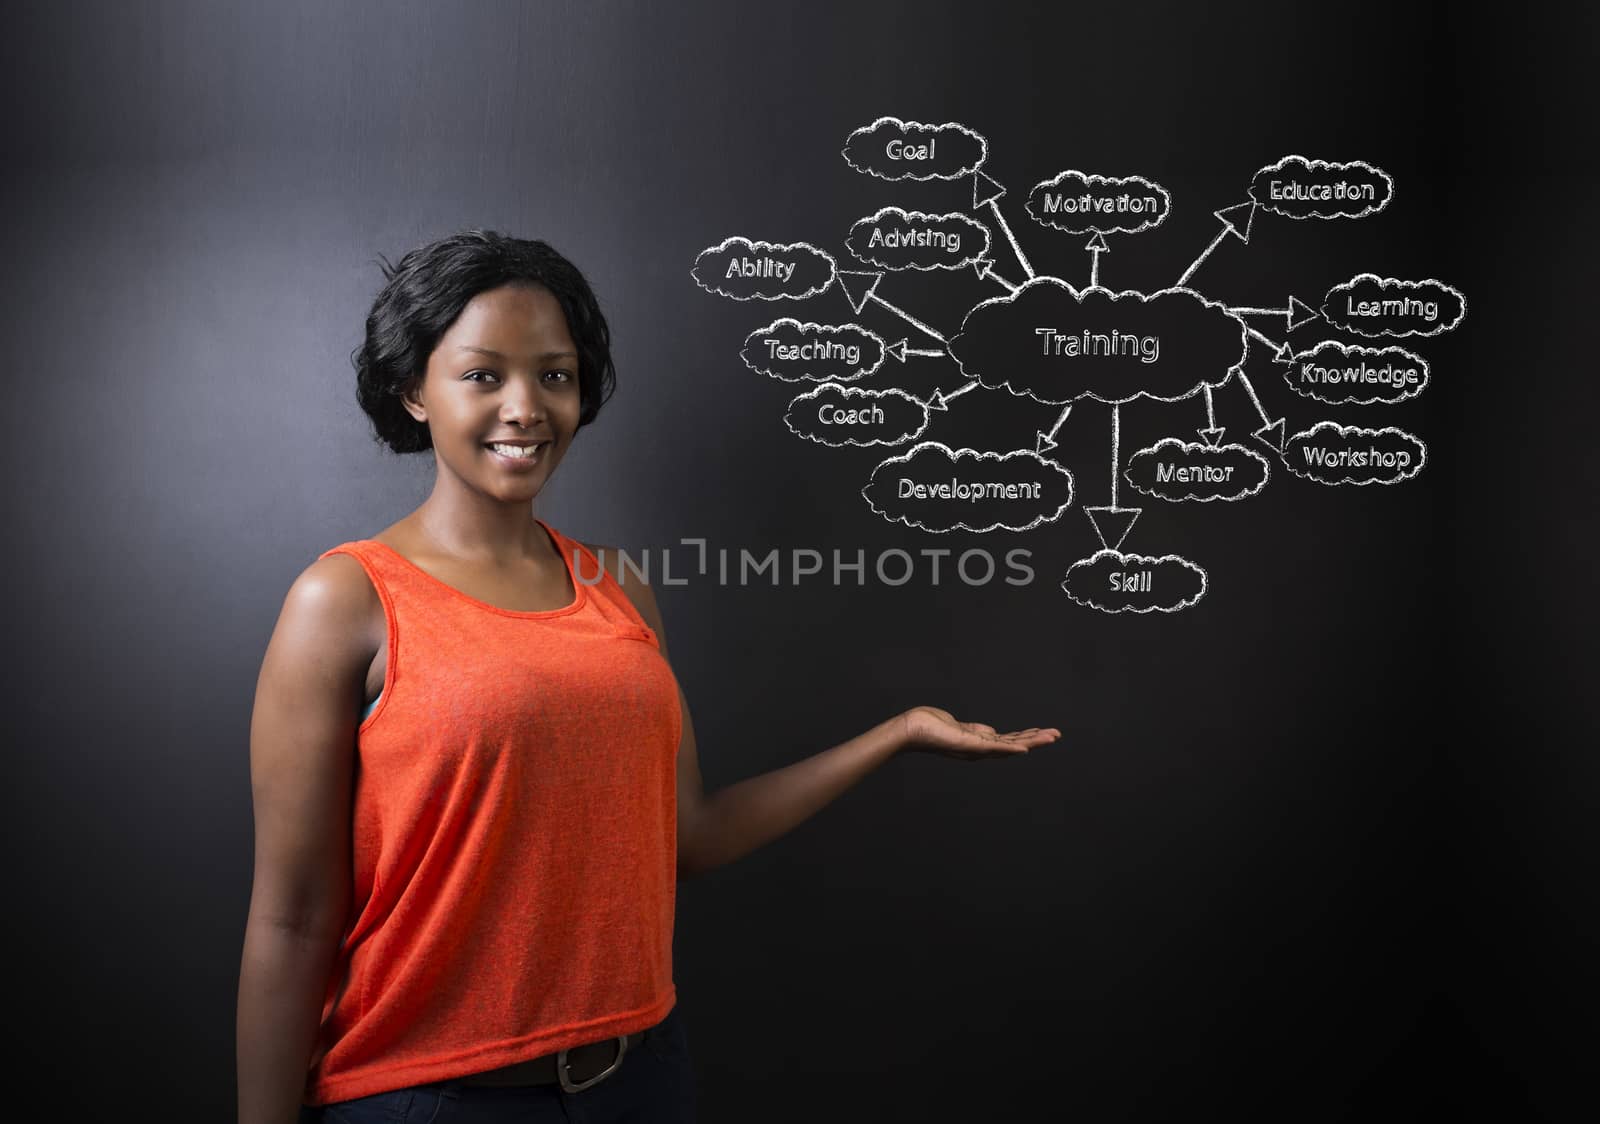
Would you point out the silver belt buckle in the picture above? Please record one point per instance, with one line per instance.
(564, 1073)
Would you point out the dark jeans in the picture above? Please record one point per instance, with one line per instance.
(654, 1085)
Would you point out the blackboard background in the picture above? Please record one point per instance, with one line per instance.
(1319, 848)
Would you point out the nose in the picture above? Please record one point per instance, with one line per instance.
(523, 403)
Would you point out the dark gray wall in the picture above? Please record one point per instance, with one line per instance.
(1312, 850)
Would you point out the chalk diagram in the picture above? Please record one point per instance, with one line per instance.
(1046, 339)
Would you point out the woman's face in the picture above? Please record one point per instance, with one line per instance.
(506, 370)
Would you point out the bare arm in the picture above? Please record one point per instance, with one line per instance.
(730, 823)
(302, 741)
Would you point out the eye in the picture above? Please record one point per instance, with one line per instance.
(480, 371)
(564, 376)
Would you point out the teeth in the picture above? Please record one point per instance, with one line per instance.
(516, 451)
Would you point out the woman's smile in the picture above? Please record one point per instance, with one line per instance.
(518, 458)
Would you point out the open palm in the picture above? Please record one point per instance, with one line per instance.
(931, 730)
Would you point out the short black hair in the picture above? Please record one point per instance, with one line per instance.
(423, 296)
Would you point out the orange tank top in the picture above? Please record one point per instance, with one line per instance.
(515, 834)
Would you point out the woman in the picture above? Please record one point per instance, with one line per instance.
(475, 778)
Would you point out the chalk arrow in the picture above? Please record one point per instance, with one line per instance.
(1112, 524)
(908, 318)
(1282, 352)
(1237, 216)
(1096, 246)
(899, 350)
(1272, 434)
(1270, 428)
(1297, 315)
(1213, 432)
(937, 402)
(1233, 219)
(862, 287)
(1300, 313)
(1044, 441)
(984, 190)
(859, 287)
(985, 268)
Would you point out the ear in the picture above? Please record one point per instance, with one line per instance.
(411, 399)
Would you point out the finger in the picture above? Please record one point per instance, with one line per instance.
(991, 746)
(1028, 740)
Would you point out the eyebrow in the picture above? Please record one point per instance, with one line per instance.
(497, 355)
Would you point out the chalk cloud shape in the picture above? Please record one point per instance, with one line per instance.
(1342, 383)
(999, 346)
(759, 355)
(1318, 454)
(1364, 288)
(814, 270)
(1075, 184)
(958, 150)
(934, 464)
(973, 235)
(1249, 471)
(1176, 583)
(905, 416)
(1316, 174)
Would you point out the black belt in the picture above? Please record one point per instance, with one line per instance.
(575, 1068)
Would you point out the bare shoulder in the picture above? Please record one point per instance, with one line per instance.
(331, 623)
(333, 597)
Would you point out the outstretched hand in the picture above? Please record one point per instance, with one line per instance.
(931, 730)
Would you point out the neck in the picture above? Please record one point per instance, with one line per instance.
(478, 528)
